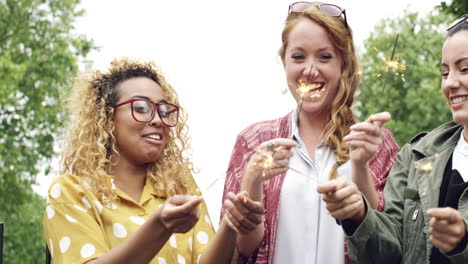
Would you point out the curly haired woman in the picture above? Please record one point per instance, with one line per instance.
(126, 193)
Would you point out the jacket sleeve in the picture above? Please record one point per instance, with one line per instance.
(378, 239)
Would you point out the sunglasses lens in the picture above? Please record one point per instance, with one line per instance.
(299, 7)
(331, 10)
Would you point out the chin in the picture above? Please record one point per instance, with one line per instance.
(461, 118)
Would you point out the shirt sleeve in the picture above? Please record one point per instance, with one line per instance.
(381, 164)
(72, 229)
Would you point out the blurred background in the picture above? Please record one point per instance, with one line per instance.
(220, 56)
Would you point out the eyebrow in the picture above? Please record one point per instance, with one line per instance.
(457, 62)
(147, 98)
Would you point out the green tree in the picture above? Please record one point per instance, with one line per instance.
(413, 96)
(456, 7)
(39, 55)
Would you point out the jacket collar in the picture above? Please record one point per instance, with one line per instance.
(439, 139)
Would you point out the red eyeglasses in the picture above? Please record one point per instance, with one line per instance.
(143, 111)
(329, 9)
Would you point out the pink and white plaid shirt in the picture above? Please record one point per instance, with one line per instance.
(263, 131)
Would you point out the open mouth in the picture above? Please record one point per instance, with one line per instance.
(311, 90)
(460, 99)
(155, 137)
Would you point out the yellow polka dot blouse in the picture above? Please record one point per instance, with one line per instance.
(79, 228)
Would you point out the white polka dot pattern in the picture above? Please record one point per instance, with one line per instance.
(161, 260)
(207, 219)
(70, 219)
(64, 244)
(86, 202)
(55, 191)
(119, 230)
(79, 208)
(87, 250)
(50, 211)
(180, 259)
(202, 237)
(98, 206)
(137, 220)
(173, 241)
(190, 241)
(51, 247)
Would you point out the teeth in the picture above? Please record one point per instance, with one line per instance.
(156, 137)
(459, 99)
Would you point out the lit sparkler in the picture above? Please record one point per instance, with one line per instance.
(391, 66)
(427, 168)
(306, 88)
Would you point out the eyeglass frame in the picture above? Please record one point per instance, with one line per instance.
(343, 11)
(177, 108)
(458, 21)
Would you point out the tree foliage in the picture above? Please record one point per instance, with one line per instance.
(415, 101)
(456, 7)
(38, 59)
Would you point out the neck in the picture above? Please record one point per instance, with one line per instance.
(130, 178)
(311, 128)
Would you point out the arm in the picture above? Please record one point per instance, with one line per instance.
(279, 151)
(177, 215)
(242, 216)
(377, 237)
(364, 142)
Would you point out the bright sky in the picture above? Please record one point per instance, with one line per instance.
(220, 56)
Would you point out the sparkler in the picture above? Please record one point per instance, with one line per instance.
(265, 164)
(427, 168)
(391, 66)
(305, 88)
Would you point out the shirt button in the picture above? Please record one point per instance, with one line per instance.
(141, 213)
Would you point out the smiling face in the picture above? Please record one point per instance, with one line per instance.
(313, 66)
(454, 69)
(139, 143)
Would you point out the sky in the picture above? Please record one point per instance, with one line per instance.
(221, 57)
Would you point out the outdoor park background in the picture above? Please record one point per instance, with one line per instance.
(222, 59)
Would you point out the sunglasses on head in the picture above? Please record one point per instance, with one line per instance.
(329, 9)
(458, 21)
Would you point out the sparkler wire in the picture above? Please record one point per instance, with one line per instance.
(391, 59)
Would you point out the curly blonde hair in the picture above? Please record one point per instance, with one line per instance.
(90, 144)
(341, 116)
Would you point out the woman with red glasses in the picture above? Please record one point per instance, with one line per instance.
(426, 214)
(281, 162)
(126, 193)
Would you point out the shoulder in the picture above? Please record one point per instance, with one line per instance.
(266, 128)
(66, 188)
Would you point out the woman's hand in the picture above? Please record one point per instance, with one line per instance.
(447, 228)
(365, 138)
(270, 159)
(180, 213)
(243, 214)
(343, 199)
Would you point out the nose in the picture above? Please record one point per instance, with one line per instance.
(451, 82)
(310, 71)
(156, 121)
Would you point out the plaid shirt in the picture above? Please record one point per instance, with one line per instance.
(263, 131)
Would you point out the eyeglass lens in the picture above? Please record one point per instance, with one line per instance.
(328, 9)
(143, 111)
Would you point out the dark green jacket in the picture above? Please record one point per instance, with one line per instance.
(399, 234)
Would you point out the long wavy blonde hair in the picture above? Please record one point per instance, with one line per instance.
(341, 116)
(90, 151)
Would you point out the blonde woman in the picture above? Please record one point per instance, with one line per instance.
(307, 147)
(126, 193)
